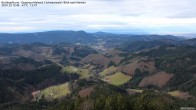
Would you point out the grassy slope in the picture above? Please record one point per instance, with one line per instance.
(82, 72)
(55, 92)
(117, 79)
(179, 94)
(108, 71)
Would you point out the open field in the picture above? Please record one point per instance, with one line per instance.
(55, 92)
(108, 71)
(180, 95)
(133, 91)
(85, 92)
(159, 79)
(141, 64)
(71, 69)
(98, 59)
(117, 79)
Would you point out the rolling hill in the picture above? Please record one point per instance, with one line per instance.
(140, 72)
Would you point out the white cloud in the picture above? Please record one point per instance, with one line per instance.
(152, 16)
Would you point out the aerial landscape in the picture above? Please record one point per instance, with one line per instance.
(92, 71)
(111, 57)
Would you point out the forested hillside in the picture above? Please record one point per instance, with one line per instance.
(154, 74)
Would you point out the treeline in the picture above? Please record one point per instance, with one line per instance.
(108, 97)
(16, 83)
(177, 60)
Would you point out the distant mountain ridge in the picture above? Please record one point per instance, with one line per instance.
(76, 37)
(47, 37)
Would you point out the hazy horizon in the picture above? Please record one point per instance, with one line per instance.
(186, 35)
(126, 16)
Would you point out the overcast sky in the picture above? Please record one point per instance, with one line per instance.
(119, 16)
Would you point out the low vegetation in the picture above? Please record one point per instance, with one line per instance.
(55, 92)
(75, 77)
(117, 78)
(108, 71)
(179, 94)
(84, 73)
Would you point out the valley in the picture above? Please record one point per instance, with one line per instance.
(75, 70)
